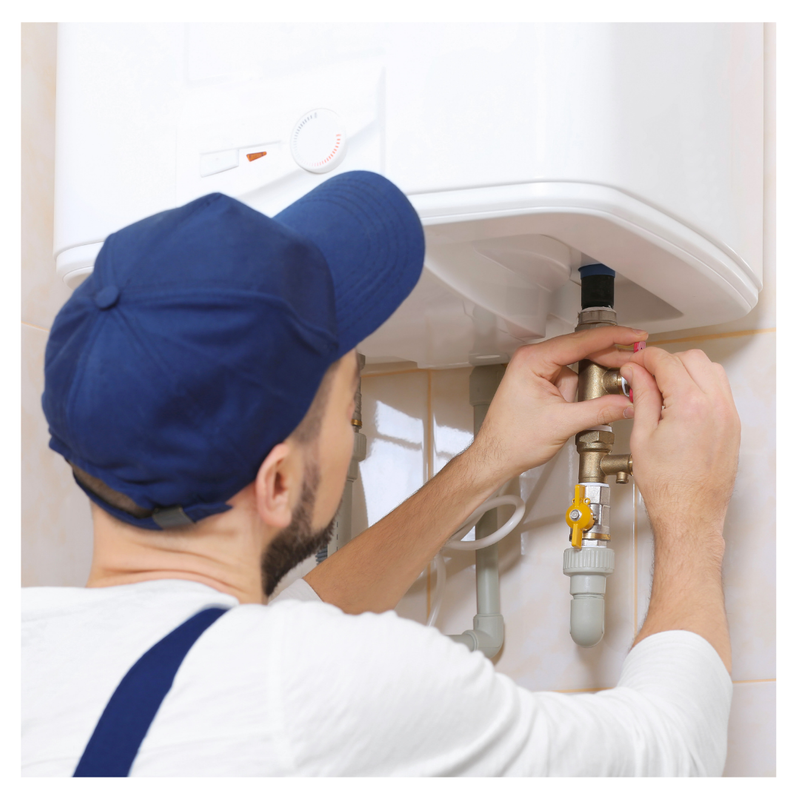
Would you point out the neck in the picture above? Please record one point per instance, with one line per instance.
(223, 552)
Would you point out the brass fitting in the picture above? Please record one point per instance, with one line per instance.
(592, 447)
(596, 318)
(596, 461)
(596, 381)
(619, 465)
(613, 382)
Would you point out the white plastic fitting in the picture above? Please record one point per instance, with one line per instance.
(587, 569)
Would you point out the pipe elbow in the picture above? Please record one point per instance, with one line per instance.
(487, 634)
(489, 630)
(587, 619)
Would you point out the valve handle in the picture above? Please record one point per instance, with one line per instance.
(579, 516)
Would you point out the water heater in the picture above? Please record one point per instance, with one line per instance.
(529, 150)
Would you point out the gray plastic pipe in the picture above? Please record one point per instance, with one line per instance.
(587, 569)
(488, 629)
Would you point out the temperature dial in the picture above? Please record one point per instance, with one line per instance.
(318, 141)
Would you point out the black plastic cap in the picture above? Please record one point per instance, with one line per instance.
(597, 286)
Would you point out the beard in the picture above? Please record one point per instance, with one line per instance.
(297, 541)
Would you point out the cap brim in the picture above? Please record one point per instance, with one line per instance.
(373, 242)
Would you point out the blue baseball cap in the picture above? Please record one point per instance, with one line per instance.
(200, 339)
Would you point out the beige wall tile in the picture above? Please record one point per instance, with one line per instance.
(43, 293)
(394, 413)
(56, 521)
(395, 419)
(749, 567)
(390, 366)
(751, 731)
(451, 413)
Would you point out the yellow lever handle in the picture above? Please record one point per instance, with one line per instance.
(579, 516)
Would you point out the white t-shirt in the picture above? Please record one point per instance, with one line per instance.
(300, 688)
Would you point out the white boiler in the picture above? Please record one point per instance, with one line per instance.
(527, 149)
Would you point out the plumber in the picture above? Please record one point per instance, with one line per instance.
(200, 385)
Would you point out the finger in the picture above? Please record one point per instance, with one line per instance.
(567, 383)
(611, 358)
(668, 370)
(647, 400)
(702, 370)
(563, 350)
(577, 417)
(722, 398)
(725, 384)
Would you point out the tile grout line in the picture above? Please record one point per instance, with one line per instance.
(36, 327)
(396, 372)
(699, 338)
(429, 461)
(709, 336)
(429, 432)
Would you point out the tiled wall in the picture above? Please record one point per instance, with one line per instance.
(415, 421)
(56, 524)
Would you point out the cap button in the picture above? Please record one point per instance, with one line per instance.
(106, 297)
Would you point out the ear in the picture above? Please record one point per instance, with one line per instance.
(277, 484)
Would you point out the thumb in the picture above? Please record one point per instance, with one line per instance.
(647, 399)
(590, 413)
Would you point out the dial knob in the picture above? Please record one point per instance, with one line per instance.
(318, 141)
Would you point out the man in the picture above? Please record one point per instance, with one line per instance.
(201, 385)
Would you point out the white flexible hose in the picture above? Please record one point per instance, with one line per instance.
(478, 544)
(454, 543)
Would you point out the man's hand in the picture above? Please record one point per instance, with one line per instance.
(685, 439)
(533, 413)
(685, 446)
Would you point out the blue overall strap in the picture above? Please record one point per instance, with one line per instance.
(130, 711)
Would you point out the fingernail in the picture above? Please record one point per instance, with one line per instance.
(641, 333)
(628, 412)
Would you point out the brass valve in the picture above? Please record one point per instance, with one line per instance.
(579, 516)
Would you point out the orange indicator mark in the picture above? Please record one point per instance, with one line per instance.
(254, 156)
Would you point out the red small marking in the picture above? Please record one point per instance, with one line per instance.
(254, 156)
(637, 346)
